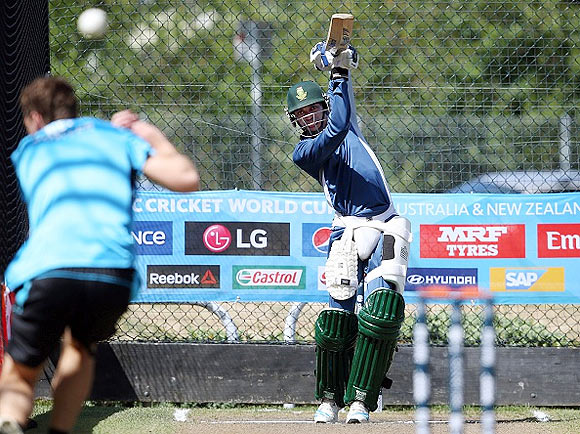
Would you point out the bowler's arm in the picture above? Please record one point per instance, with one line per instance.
(166, 166)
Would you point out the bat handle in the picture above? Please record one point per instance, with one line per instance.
(323, 56)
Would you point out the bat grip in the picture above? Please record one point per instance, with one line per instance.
(323, 55)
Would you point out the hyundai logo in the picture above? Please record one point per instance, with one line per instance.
(415, 279)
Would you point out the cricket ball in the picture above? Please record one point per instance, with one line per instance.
(93, 23)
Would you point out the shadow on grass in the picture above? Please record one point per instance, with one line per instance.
(89, 418)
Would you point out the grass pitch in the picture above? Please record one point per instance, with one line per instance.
(113, 418)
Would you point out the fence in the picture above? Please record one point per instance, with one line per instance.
(446, 91)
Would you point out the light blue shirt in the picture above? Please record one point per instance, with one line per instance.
(77, 179)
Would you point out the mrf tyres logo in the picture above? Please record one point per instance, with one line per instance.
(473, 241)
(268, 277)
(550, 279)
(418, 278)
(559, 240)
(153, 237)
(237, 238)
(183, 276)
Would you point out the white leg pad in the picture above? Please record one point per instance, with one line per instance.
(397, 239)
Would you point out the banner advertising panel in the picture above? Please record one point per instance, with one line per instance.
(253, 246)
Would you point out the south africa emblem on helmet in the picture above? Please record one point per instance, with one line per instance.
(301, 94)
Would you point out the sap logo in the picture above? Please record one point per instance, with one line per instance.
(471, 233)
(153, 237)
(521, 279)
(549, 279)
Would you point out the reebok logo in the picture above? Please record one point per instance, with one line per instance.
(183, 276)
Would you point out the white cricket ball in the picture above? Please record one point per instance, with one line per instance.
(92, 23)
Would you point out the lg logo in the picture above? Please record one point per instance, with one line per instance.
(237, 238)
(217, 238)
(257, 239)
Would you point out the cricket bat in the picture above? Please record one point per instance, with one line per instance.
(339, 32)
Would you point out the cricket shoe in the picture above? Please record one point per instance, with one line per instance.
(9, 427)
(358, 413)
(327, 412)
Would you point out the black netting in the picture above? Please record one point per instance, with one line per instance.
(24, 55)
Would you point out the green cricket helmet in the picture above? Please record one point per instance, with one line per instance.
(302, 95)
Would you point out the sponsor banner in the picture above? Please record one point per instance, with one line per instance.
(473, 241)
(420, 278)
(183, 276)
(550, 279)
(237, 238)
(268, 277)
(153, 237)
(315, 238)
(559, 240)
(524, 248)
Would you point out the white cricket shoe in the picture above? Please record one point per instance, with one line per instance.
(327, 412)
(358, 413)
(9, 427)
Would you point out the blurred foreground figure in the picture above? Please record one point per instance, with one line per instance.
(74, 276)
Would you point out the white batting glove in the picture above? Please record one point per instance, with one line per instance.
(347, 59)
(321, 58)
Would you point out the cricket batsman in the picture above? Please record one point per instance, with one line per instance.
(356, 336)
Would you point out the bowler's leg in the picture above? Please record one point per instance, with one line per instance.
(17, 390)
(72, 383)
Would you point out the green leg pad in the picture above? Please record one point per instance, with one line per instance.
(379, 323)
(335, 334)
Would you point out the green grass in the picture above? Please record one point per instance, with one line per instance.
(139, 418)
(114, 418)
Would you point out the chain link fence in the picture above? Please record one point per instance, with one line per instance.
(446, 91)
